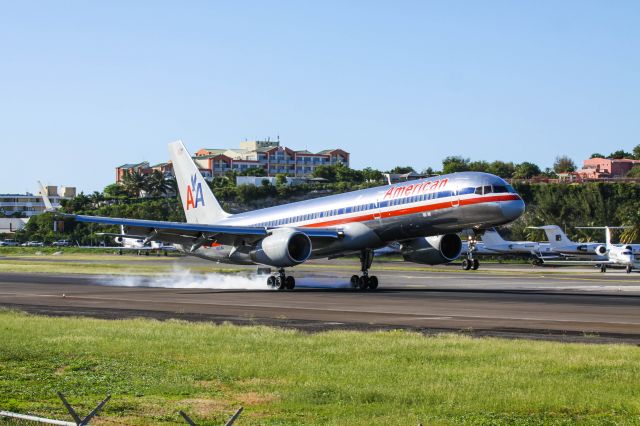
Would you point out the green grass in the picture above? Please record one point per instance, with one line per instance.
(153, 369)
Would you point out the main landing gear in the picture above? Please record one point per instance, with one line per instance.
(281, 281)
(471, 262)
(365, 282)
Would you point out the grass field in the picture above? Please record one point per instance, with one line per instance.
(153, 369)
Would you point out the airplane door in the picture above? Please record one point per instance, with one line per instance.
(455, 199)
(376, 211)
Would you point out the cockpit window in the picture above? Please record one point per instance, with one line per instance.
(478, 190)
(487, 189)
(500, 189)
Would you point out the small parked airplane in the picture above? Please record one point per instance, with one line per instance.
(351, 223)
(561, 244)
(619, 255)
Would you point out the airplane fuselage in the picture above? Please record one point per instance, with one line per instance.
(375, 217)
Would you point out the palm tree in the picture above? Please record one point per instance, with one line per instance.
(156, 184)
(134, 183)
(630, 215)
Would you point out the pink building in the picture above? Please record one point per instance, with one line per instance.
(597, 168)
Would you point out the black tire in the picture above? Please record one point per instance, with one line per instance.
(373, 282)
(475, 264)
(354, 281)
(280, 283)
(466, 265)
(363, 283)
(271, 281)
(603, 268)
(290, 283)
(629, 269)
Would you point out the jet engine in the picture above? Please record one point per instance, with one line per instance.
(601, 250)
(283, 248)
(432, 250)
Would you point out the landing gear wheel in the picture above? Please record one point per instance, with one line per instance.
(290, 282)
(373, 282)
(475, 264)
(354, 281)
(363, 282)
(280, 283)
(603, 268)
(466, 265)
(271, 281)
(629, 268)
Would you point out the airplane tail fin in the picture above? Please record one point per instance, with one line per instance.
(48, 207)
(492, 237)
(199, 203)
(555, 235)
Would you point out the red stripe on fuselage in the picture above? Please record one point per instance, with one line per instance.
(413, 210)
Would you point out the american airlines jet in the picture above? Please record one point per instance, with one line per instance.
(352, 223)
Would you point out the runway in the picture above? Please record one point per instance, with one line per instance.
(568, 306)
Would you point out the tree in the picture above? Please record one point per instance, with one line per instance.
(133, 183)
(345, 174)
(402, 170)
(526, 170)
(325, 172)
(156, 185)
(502, 169)
(479, 166)
(634, 172)
(636, 152)
(564, 164)
(455, 164)
(620, 154)
(372, 175)
(597, 155)
(114, 190)
(630, 215)
(281, 179)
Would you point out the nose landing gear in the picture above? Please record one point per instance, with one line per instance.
(471, 262)
(365, 282)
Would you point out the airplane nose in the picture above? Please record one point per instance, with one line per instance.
(511, 210)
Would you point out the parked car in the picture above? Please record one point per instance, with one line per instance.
(9, 243)
(33, 244)
(60, 243)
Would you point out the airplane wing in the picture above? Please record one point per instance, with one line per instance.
(194, 235)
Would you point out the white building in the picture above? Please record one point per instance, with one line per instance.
(27, 205)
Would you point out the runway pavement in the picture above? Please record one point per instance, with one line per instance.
(503, 301)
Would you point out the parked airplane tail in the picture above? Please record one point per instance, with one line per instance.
(555, 235)
(199, 203)
(491, 237)
(607, 232)
(48, 207)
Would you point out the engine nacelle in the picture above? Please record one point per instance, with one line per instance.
(118, 240)
(284, 247)
(432, 250)
(601, 250)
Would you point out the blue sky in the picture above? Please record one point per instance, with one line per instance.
(86, 86)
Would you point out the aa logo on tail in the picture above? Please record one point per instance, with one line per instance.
(199, 199)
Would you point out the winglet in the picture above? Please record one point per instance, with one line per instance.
(48, 207)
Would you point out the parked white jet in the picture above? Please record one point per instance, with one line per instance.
(352, 223)
(560, 243)
(618, 255)
(493, 244)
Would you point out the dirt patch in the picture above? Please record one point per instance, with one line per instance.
(205, 407)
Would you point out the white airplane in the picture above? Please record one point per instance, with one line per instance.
(351, 223)
(618, 255)
(493, 244)
(127, 242)
(561, 244)
(136, 243)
